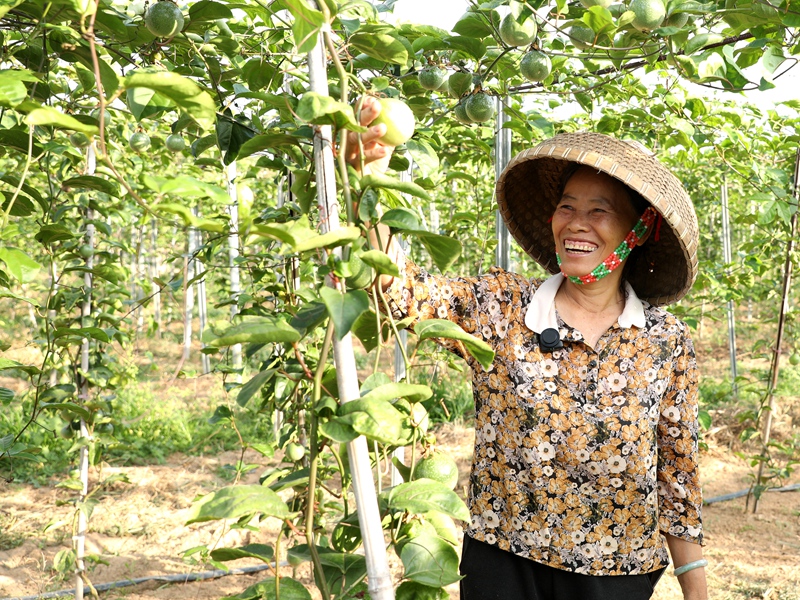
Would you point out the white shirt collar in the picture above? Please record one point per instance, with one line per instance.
(541, 312)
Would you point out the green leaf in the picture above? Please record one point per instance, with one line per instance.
(74, 409)
(7, 5)
(18, 139)
(700, 41)
(6, 396)
(444, 250)
(22, 267)
(267, 141)
(49, 116)
(401, 219)
(365, 328)
(145, 103)
(411, 590)
(12, 88)
(206, 10)
(324, 110)
(6, 363)
(91, 182)
(424, 495)
(91, 333)
(380, 262)
(50, 234)
(384, 181)
(440, 328)
(231, 136)
(426, 159)
(473, 25)
(599, 19)
(254, 385)
(470, 46)
(309, 316)
(186, 186)
(262, 552)
(184, 92)
(338, 237)
(378, 420)
(344, 309)
(190, 219)
(306, 26)
(380, 46)
(289, 588)
(391, 391)
(259, 73)
(430, 560)
(255, 330)
(237, 501)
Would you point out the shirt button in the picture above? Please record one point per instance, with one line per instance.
(592, 364)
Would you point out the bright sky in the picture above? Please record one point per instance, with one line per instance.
(445, 14)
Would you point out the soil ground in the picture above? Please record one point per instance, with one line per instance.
(138, 530)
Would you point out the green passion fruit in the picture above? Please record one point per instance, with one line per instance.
(79, 140)
(647, 14)
(432, 78)
(581, 37)
(139, 141)
(175, 143)
(535, 66)
(164, 19)
(516, 33)
(480, 107)
(295, 452)
(439, 467)
(460, 113)
(399, 121)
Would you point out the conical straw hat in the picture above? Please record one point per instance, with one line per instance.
(529, 188)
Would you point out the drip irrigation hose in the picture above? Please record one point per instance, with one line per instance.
(741, 493)
(178, 578)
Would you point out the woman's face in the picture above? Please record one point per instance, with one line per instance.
(592, 218)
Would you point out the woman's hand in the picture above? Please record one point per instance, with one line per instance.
(376, 155)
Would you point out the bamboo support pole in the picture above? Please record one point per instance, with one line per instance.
(233, 254)
(776, 357)
(379, 579)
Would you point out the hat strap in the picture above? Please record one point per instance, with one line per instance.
(623, 251)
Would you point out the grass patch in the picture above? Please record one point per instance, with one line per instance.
(151, 422)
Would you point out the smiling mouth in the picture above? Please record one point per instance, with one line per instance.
(579, 248)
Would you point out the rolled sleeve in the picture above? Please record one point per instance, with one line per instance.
(680, 494)
(419, 295)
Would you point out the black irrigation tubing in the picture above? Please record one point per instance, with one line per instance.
(739, 494)
(180, 578)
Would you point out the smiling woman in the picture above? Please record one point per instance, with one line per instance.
(581, 469)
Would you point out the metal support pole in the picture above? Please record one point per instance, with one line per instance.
(502, 156)
(727, 257)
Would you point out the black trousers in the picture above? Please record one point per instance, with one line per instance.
(494, 574)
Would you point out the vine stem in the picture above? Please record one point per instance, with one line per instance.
(314, 460)
(25, 170)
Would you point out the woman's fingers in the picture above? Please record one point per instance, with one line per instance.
(370, 109)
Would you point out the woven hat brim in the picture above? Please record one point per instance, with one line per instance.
(527, 194)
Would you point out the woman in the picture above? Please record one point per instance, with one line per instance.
(585, 464)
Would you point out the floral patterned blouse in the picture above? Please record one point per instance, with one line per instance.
(583, 456)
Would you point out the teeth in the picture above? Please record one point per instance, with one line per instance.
(579, 247)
